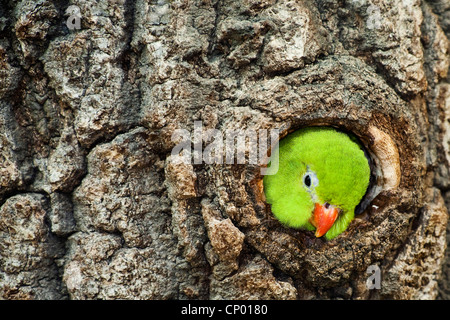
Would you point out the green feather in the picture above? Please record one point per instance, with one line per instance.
(341, 168)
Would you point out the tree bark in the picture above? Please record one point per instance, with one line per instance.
(93, 207)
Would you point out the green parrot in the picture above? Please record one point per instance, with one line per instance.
(322, 176)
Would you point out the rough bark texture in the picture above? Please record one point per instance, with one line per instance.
(91, 206)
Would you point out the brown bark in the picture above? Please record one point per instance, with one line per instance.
(92, 207)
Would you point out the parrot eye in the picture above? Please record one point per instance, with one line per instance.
(307, 181)
(310, 179)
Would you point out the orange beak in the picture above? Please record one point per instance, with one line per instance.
(323, 218)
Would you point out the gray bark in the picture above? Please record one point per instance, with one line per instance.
(91, 206)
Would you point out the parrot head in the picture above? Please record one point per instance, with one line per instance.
(322, 176)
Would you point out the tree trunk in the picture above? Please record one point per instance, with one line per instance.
(93, 207)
